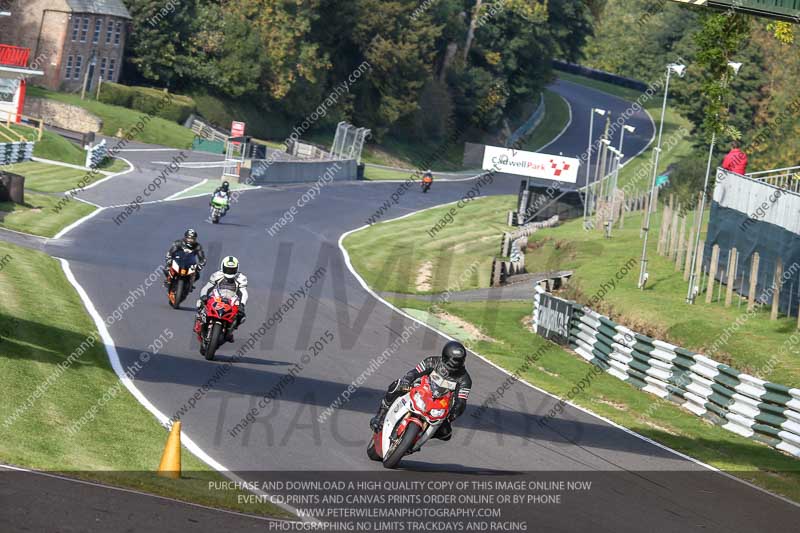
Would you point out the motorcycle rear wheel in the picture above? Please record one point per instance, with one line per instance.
(397, 452)
(215, 340)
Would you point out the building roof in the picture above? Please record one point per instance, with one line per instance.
(115, 8)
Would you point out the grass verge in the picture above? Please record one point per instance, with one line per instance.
(595, 261)
(156, 131)
(38, 217)
(44, 177)
(401, 257)
(555, 119)
(42, 323)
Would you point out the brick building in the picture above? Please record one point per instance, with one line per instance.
(70, 39)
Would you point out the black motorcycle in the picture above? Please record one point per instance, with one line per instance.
(181, 276)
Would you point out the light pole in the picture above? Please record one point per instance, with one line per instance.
(691, 293)
(600, 112)
(625, 128)
(680, 70)
(611, 188)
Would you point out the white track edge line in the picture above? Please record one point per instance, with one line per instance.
(375, 295)
(564, 130)
(77, 223)
(130, 168)
(116, 364)
(198, 184)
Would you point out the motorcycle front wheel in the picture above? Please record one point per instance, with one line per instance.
(398, 450)
(178, 294)
(215, 339)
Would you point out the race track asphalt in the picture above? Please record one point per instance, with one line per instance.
(112, 261)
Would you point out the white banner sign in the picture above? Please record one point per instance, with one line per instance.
(531, 164)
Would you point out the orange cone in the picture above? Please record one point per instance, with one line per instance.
(170, 465)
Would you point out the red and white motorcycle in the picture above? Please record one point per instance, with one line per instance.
(412, 420)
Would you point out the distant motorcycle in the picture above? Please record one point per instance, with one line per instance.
(216, 320)
(219, 206)
(426, 185)
(412, 420)
(182, 274)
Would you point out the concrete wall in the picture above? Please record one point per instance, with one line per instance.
(61, 115)
(263, 172)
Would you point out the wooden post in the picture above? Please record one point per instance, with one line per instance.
(733, 258)
(687, 266)
(673, 235)
(681, 246)
(751, 296)
(777, 281)
(712, 273)
(698, 264)
(622, 205)
(664, 232)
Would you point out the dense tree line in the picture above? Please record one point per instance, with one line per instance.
(435, 66)
(637, 38)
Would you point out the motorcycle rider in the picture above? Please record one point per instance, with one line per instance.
(189, 241)
(450, 366)
(427, 178)
(223, 191)
(227, 277)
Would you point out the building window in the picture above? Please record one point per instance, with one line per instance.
(117, 32)
(68, 71)
(84, 29)
(8, 89)
(103, 68)
(78, 65)
(98, 27)
(109, 31)
(112, 63)
(76, 26)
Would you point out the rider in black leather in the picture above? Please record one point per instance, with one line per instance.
(189, 241)
(223, 189)
(450, 366)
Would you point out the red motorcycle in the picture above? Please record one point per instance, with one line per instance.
(216, 320)
(412, 420)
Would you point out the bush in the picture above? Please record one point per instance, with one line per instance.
(116, 94)
(261, 123)
(150, 101)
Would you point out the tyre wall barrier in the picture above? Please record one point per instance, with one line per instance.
(744, 404)
(17, 152)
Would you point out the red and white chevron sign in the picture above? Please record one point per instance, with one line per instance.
(531, 164)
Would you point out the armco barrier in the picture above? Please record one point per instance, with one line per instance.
(746, 405)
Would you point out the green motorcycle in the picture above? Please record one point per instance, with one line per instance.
(219, 206)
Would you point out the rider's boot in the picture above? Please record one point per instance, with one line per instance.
(376, 422)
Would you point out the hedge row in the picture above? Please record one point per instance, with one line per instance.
(149, 101)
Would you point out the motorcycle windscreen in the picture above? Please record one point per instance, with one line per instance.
(441, 386)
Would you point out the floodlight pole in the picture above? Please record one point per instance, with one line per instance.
(656, 156)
